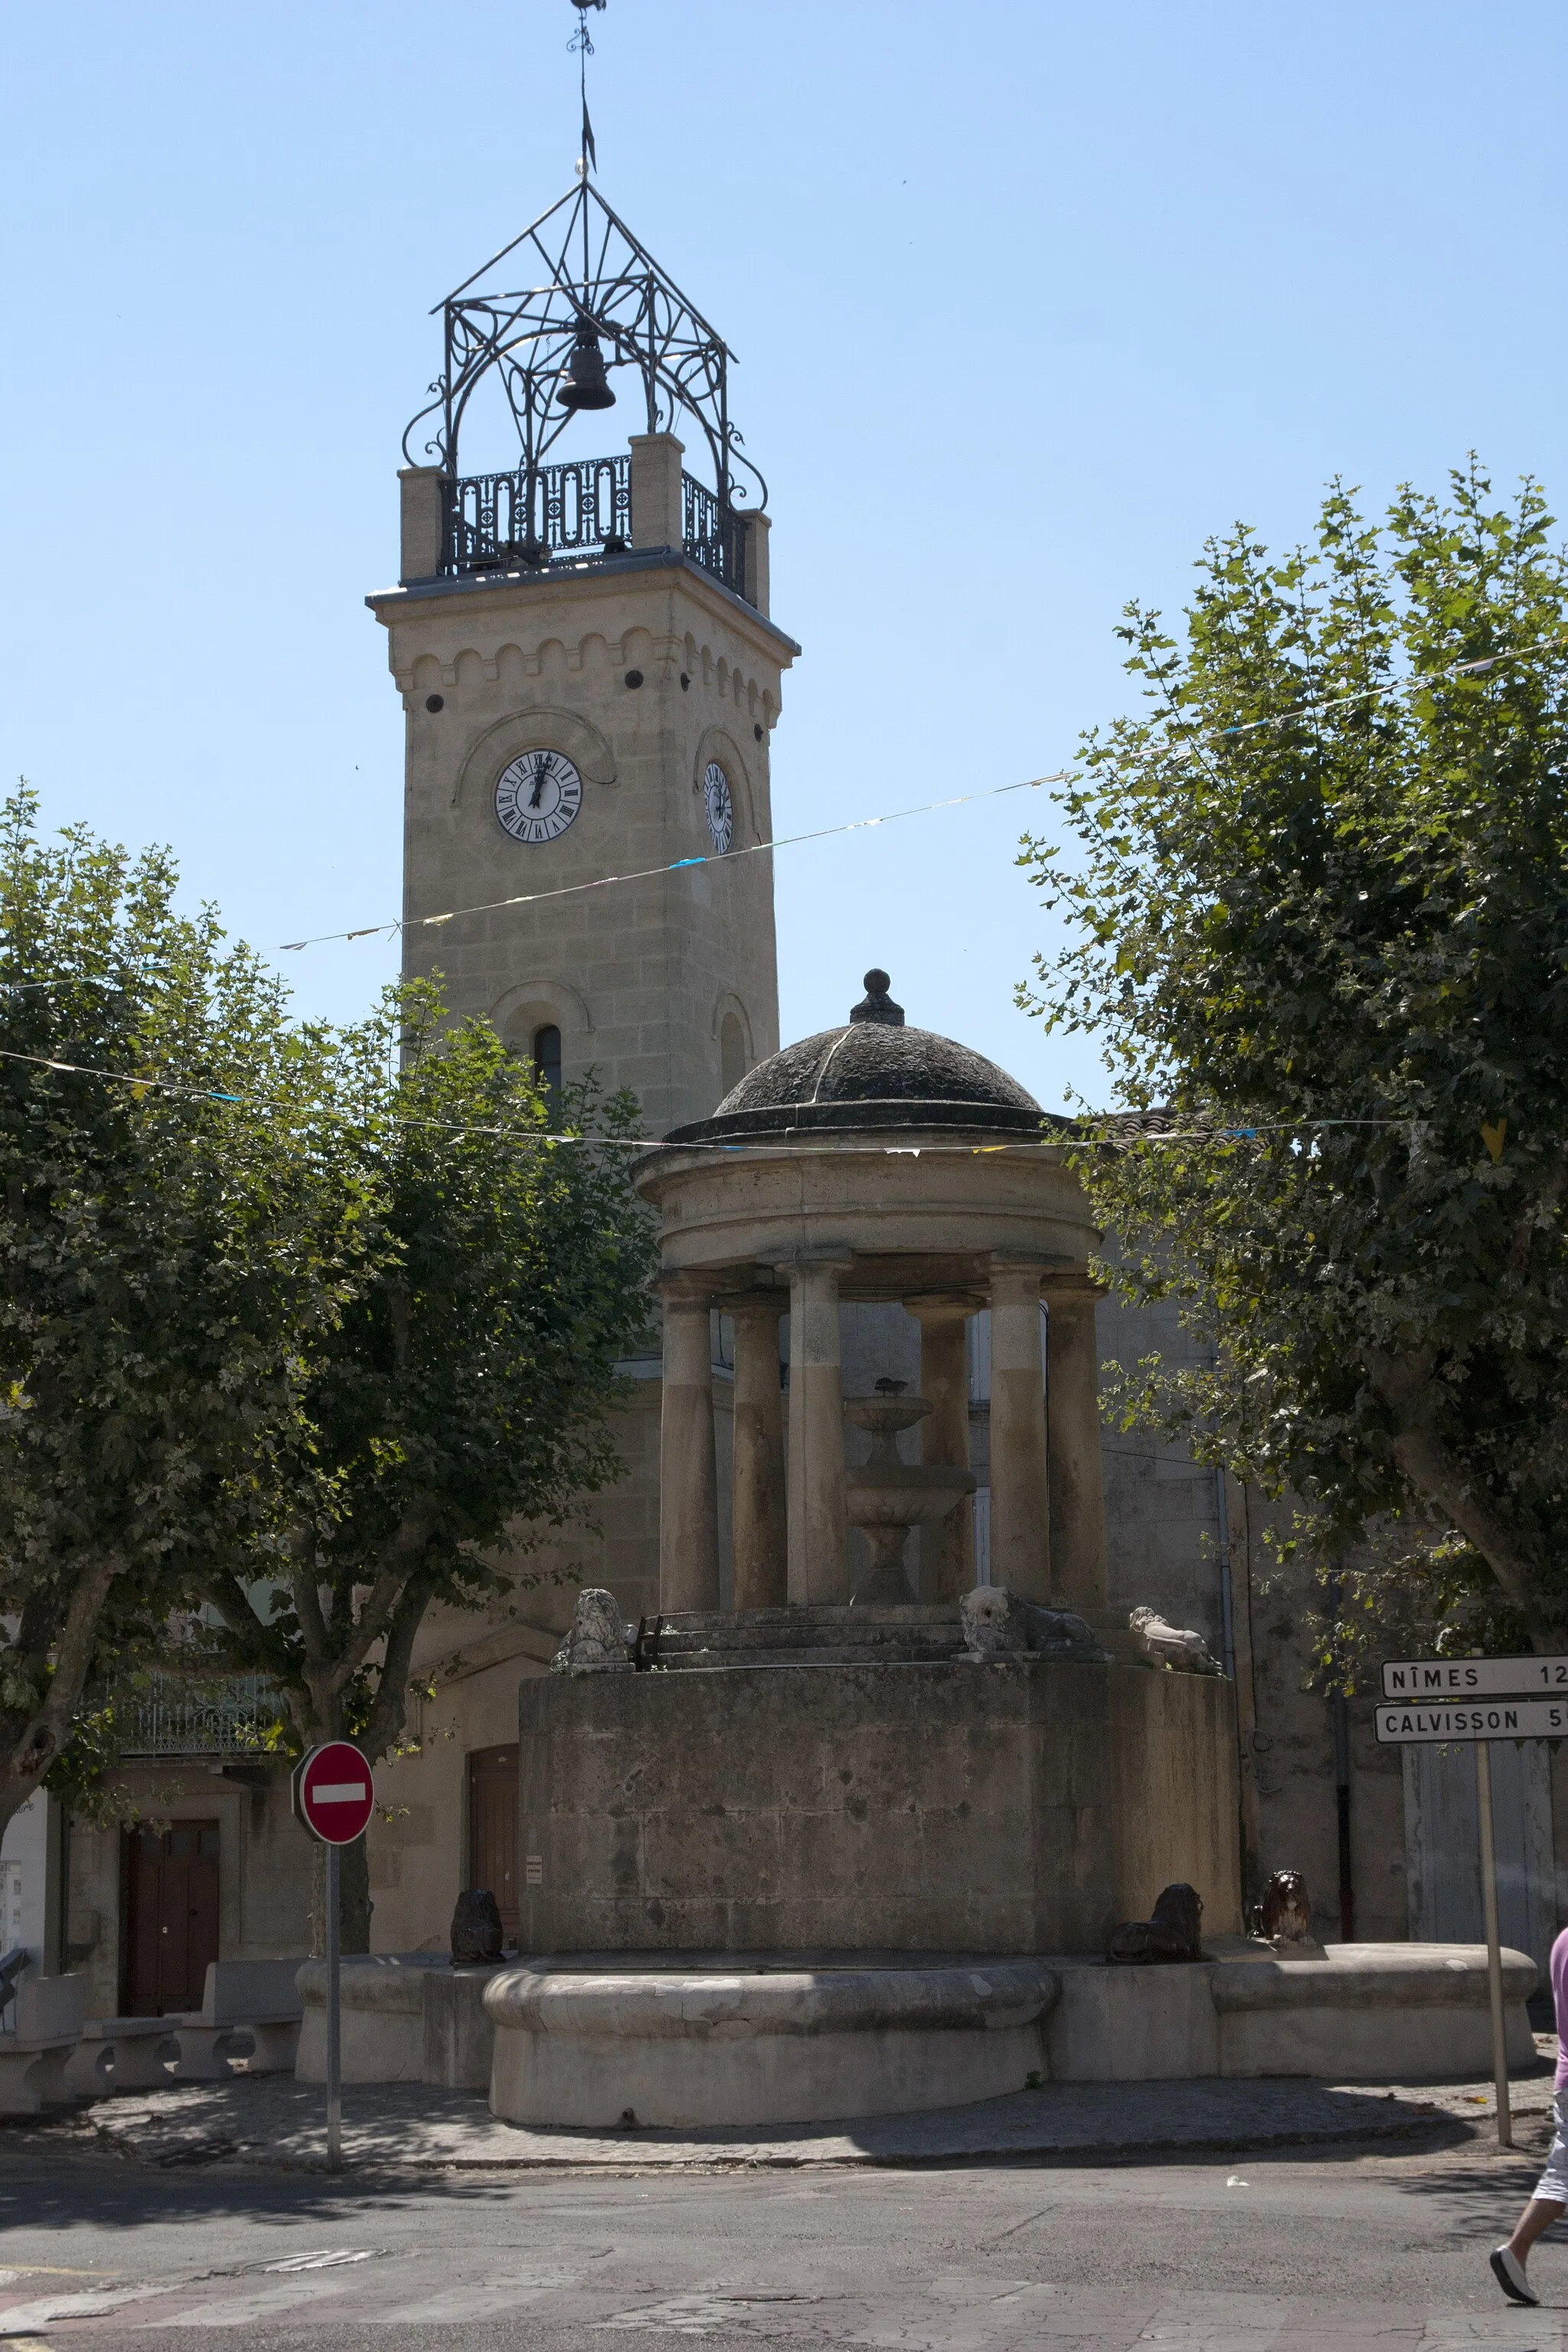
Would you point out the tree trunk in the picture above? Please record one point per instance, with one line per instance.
(356, 1904)
(1441, 1480)
(18, 1785)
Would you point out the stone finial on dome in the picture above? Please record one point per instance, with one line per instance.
(876, 1004)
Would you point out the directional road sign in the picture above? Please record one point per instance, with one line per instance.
(333, 1793)
(1497, 1718)
(1458, 1678)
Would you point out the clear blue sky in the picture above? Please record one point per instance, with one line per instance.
(1028, 298)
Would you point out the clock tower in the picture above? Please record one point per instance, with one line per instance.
(590, 675)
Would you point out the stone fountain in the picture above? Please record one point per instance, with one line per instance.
(886, 1496)
(829, 1860)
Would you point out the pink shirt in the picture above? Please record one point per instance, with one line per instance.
(1558, 1966)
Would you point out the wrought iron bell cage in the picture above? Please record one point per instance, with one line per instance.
(597, 282)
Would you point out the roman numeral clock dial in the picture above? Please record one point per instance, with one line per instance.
(538, 796)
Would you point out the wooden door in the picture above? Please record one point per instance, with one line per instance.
(171, 1917)
(492, 1829)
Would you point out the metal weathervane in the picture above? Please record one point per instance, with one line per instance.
(599, 307)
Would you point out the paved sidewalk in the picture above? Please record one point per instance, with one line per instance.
(271, 2120)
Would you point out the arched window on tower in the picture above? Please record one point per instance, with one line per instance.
(547, 1062)
(731, 1053)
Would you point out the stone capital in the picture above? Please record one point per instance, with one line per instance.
(761, 1304)
(685, 1290)
(1073, 1291)
(944, 1306)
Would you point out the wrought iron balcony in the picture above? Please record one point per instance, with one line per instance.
(582, 511)
(170, 1716)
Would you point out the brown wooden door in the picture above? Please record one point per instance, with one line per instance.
(171, 1917)
(492, 1829)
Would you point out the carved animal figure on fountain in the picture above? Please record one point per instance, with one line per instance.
(597, 1639)
(476, 1928)
(997, 1624)
(1172, 1932)
(1284, 1917)
(1176, 1646)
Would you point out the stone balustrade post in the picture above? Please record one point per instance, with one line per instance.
(818, 1527)
(656, 490)
(760, 1549)
(689, 1478)
(1075, 1472)
(1020, 1508)
(754, 529)
(423, 500)
(947, 1546)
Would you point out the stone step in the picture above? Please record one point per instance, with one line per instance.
(819, 1634)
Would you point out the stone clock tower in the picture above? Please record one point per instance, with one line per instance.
(590, 675)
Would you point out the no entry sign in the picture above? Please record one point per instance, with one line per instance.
(335, 1796)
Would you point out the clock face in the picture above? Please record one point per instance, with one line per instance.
(538, 796)
(719, 805)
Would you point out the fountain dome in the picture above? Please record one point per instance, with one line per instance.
(874, 1072)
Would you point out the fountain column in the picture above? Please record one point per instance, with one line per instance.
(1077, 1473)
(1020, 1534)
(687, 1470)
(761, 1549)
(818, 1529)
(947, 1546)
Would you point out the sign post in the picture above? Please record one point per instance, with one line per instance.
(334, 1797)
(1494, 1943)
(1470, 1701)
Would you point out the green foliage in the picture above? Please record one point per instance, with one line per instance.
(304, 1331)
(1344, 931)
(458, 1407)
(165, 1258)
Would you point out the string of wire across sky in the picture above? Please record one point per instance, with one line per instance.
(142, 1083)
(1191, 751)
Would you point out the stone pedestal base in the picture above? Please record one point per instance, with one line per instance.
(917, 1804)
(406, 2017)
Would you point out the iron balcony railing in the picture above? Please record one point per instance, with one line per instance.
(168, 1717)
(581, 510)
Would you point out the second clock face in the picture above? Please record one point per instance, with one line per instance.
(538, 796)
(720, 806)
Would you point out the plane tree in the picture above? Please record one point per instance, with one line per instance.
(170, 1249)
(1314, 909)
(456, 1409)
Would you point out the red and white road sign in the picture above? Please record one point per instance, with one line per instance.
(334, 1795)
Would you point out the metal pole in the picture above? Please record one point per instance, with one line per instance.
(334, 2053)
(1494, 1948)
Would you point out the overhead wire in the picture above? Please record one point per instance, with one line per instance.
(145, 1082)
(923, 808)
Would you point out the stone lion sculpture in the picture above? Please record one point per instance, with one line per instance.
(1176, 1646)
(1172, 1932)
(476, 1927)
(596, 1639)
(1285, 1914)
(997, 1624)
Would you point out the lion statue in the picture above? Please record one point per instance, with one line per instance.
(597, 1638)
(1285, 1914)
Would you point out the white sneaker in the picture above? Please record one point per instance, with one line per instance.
(1509, 2271)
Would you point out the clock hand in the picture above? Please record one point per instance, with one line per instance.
(541, 778)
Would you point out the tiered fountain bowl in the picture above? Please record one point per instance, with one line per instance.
(888, 1496)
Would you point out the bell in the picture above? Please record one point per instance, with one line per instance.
(583, 384)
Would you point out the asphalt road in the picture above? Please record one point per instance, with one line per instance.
(1256, 2255)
